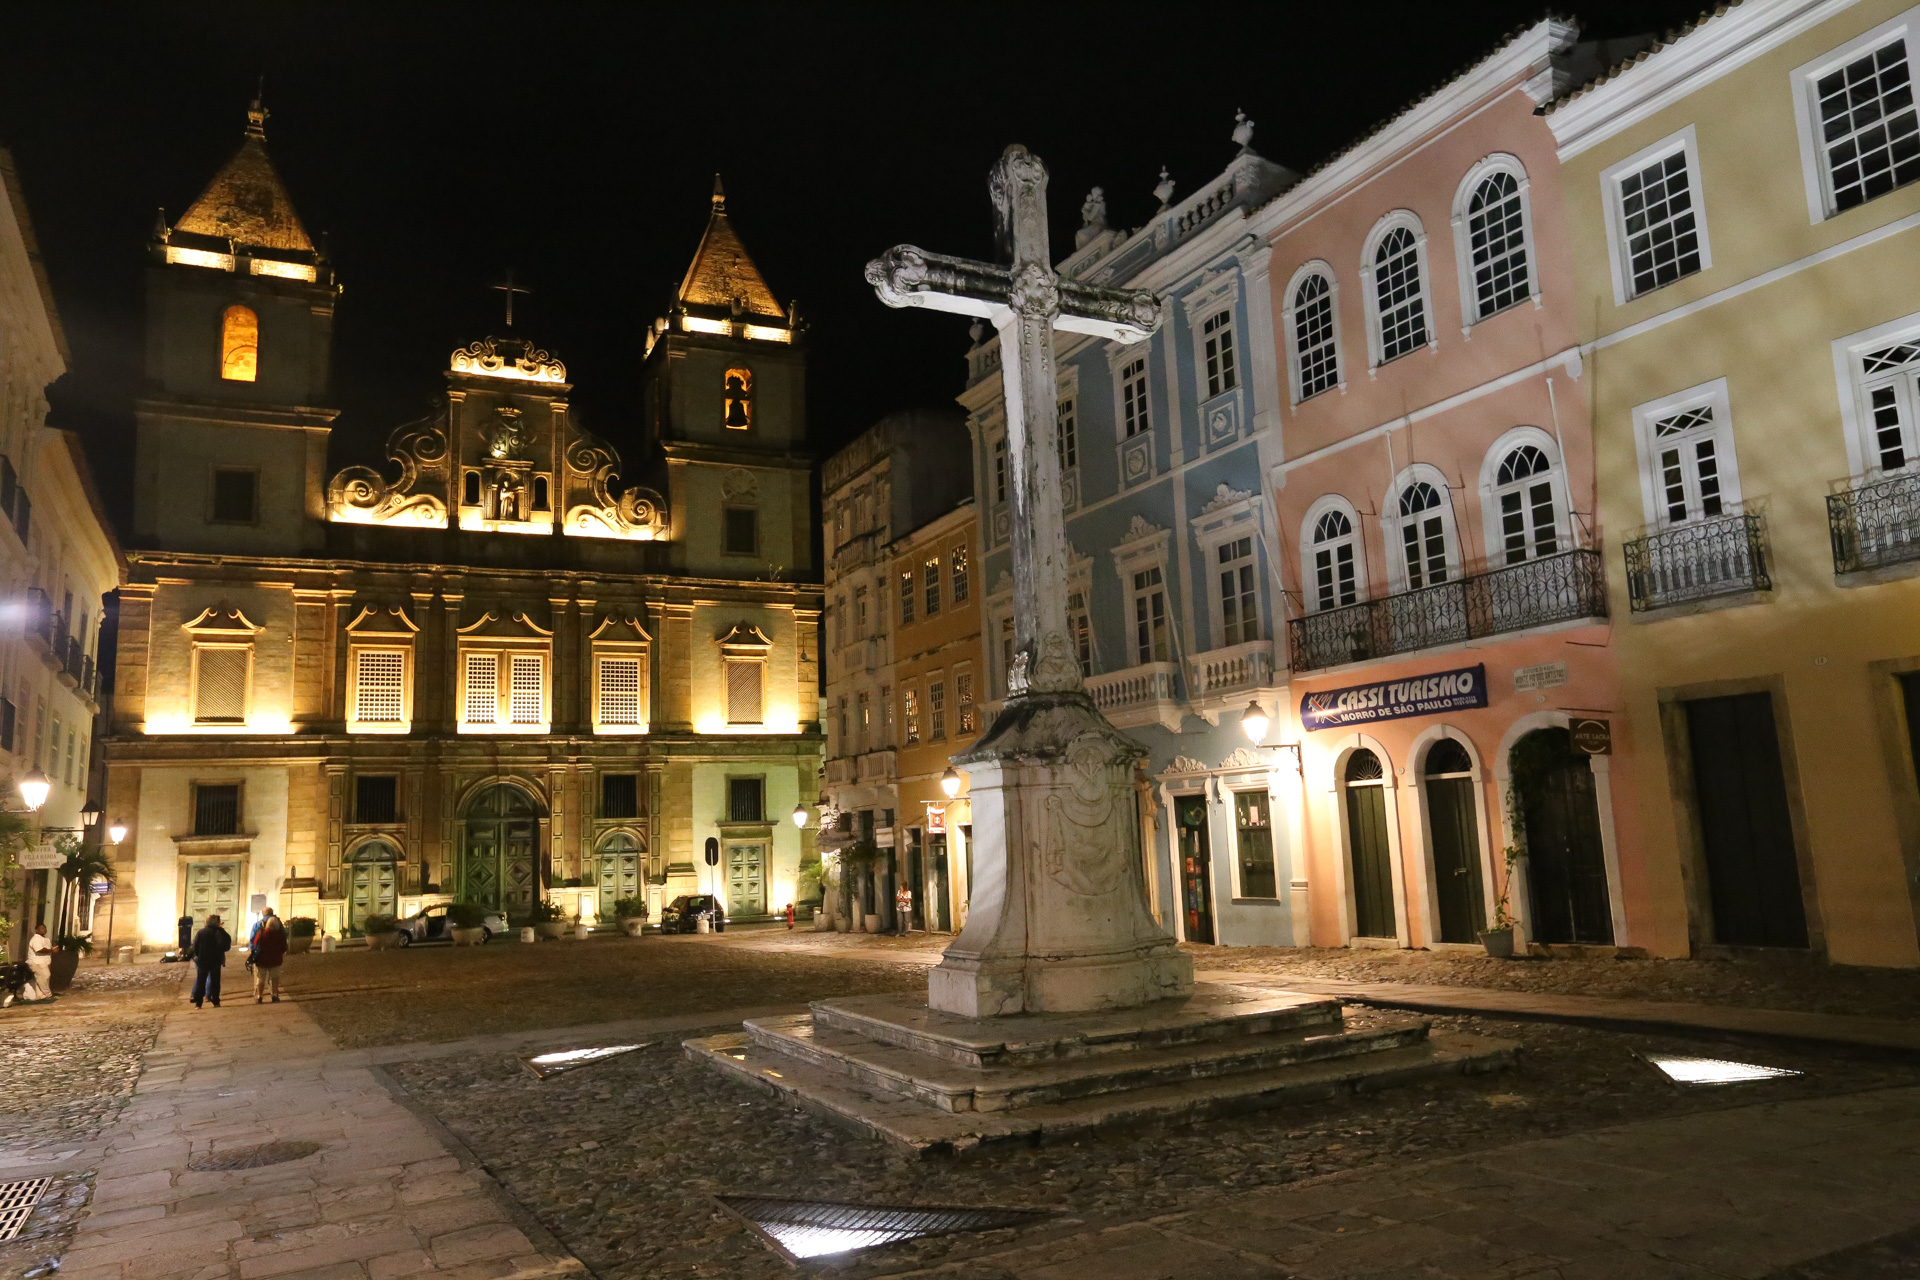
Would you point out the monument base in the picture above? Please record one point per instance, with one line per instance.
(935, 1082)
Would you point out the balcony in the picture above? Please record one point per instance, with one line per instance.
(878, 766)
(1139, 695)
(1700, 560)
(1567, 587)
(840, 770)
(39, 625)
(1875, 525)
(53, 643)
(72, 662)
(1223, 679)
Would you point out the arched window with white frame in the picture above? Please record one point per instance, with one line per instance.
(1312, 324)
(1330, 535)
(1525, 510)
(1423, 529)
(1492, 226)
(1394, 268)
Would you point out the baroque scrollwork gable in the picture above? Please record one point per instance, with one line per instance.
(593, 510)
(362, 495)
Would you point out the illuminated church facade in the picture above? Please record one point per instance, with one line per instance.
(514, 662)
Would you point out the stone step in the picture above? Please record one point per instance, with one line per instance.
(951, 1086)
(927, 1130)
(1214, 1011)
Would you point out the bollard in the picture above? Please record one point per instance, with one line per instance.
(526, 933)
(326, 942)
(124, 955)
(702, 925)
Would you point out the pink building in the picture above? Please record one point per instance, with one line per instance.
(1453, 685)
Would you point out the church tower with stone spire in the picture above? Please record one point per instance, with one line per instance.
(232, 423)
(725, 401)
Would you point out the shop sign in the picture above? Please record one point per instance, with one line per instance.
(1395, 699)
(44, 858)
(1548, 675)
(1592, 737)
(936, 819)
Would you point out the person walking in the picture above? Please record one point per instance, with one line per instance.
(40, 964)
(269, 949)
(210, 949)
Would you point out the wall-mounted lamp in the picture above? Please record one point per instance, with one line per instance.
(950, 782)
(1254, 721)
(800, 815)
(117, 832)
(33, 789)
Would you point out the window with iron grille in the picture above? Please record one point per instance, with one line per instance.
(620, 689)
(1497, 239)
(1869, 132)
(1136, 417)
(379, 686)
(220, 683)
(745, 800)
(1313, 336)
(930, 575)
(529, 688)
(483, 688)
(1239, 597)
(1659, 223)
(1401, 303)
(1066, 434)
(957, 572)
(1217, 333)
(376, 798)
(619, 795)
(744, 679)
(216, 809)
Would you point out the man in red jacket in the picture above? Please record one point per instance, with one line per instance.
(269, 949)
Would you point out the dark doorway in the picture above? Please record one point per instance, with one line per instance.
(1196, 867)
(1454, 830)
(1746, 832)
(499, 850)
(966, 845)
(1566, 862)
(1367, 847)
(915, 881)
(939, 909)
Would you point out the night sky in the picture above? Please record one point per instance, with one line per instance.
(439, 145)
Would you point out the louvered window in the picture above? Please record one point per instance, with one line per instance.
(620, 691)
(379, 687)
(743, 692)
(483, 688)
(529, 688)
(220, 694)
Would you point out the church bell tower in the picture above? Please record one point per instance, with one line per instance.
(232, 424)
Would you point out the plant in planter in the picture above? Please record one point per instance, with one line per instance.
(381, 930)
(467, 923)
(632, 915)
(68, 948)
(859, 864)
(548, 920)
(300, 931)
(1526, 765)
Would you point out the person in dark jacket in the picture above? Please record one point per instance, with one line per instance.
(210, 949)
(269, 949)
(186, 936)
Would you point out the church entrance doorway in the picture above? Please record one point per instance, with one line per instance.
(499, 844)
(1368, 848)
(619, 871)
(1454, 830)
(373, 884)
(213, 889)
(1196, 867)
(746, 880)
(1566, 861)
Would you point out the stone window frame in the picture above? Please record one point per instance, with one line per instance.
(1491, 490)
(1856, 407)
(1708, 394)
(1618, 252)
(1136, 457)
(1211, 530)
(1815, 172)
(727, 508)
(214, 472)
(1391, 523)
(534, 641)
(1466, 271)
(1407, 220)
(1290, 322)
(218, 627)
(1202, 306)
(744, 644)
(1151, 548)
(379, 629)
(622, 637)
(1309, 570)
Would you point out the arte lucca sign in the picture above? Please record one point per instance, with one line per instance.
(1395, 699)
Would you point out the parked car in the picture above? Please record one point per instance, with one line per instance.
(682, 915)
(429, 924)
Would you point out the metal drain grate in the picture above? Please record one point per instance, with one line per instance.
(16, 1204)
(814, 1228)
(552, 1064)
(252, 1157)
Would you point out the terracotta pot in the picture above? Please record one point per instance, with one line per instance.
(299, 946)
(382, 941)
(467, 937)
(634, 925)
(872, 923)
(64, 964)
(551, 928)
(1498, 942)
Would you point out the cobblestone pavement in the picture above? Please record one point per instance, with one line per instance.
(619, 1160)
(69, 1066)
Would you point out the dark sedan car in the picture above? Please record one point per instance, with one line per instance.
(682, 915)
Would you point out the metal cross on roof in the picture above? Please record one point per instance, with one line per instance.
(510, 288)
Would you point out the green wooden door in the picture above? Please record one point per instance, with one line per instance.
(746, 880)
(619, 871)
(373, 885)
(213, 889)
(499, 850)
(1367, 847)
(1456, 858)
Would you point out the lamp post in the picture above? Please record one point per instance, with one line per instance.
(116, 832)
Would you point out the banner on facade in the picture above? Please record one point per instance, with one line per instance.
(1395, 699)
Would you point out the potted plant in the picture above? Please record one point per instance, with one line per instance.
(68, 948)
(548, 920)
(1499, 939)
(467, 924)
(859, 864)
(381, 931)
(300, 931)
(632, 915)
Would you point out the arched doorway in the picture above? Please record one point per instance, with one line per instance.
(499, 848)
(1566, 861)
(1453, 831)
(373, 883)
(619, 875)
(1367, 846)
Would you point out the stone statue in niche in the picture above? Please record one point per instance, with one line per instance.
(506, 501)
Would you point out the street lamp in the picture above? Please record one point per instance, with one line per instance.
(800, 815)
(117, 832)
(1254, 721)
(89, 816)
(950, 782)
(33, 789)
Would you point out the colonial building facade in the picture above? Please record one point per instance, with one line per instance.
(498, 668)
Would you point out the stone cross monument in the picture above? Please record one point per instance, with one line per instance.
(1058, 919)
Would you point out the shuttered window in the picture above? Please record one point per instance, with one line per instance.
(529, 688)
(220, 694)
(483, 688)
(620, 691)
(379, 687)
(743, 692)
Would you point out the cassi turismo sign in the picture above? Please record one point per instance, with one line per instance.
(1395, 699)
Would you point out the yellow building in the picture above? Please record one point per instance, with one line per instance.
(1746, 219)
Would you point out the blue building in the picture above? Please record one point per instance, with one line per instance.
(1172, 603)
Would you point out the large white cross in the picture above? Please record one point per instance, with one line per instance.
(1025, 303)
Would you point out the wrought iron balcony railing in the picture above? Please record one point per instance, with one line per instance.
(1534, 593)
(1875, 524)
(1696, 561)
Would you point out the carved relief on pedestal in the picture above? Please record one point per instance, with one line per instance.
(593, 511)
(361, 495)
(1084, 824)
